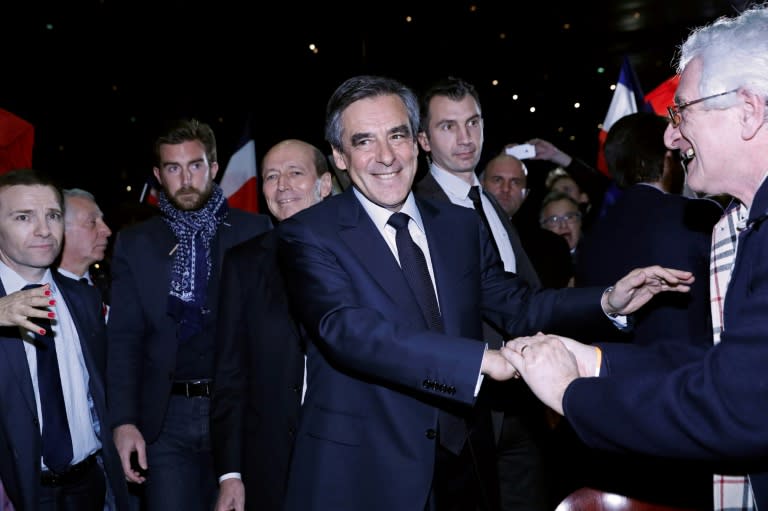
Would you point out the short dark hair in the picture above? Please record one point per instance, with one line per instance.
(187, 130)
(635, 150)
(450, 87)
(31, 177)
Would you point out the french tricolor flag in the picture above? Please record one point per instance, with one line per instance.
(239, 182)
(627, 99)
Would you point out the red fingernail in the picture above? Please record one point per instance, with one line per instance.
(52, 302)
(48, 293)
(51, 314)
(41, 331)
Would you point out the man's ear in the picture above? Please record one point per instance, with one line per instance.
(326, 185)
(423, 141)
(752, 112)
(339, 160)
(214, 169)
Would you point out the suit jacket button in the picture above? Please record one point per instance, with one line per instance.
(431, 434)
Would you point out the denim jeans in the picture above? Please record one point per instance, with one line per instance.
(181, 475)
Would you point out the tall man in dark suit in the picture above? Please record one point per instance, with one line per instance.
(451, 133)
(162, 324)
(380, 376)
(683, 399)
(31, 233)
(259, 375)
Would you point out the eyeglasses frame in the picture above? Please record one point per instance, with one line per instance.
(675, 112)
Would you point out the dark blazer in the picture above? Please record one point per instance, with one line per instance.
(377, 376)
(644, 227)
(142, 336)
(20, 441)
(681, 400)
(428, 188)
(259, 374)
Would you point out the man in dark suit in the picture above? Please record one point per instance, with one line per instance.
(388, 422)
(665, 228)
(162, 324)
(685, 400)
(451, 133)
(88, 476)
(259, 374)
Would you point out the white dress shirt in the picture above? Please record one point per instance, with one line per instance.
(457, 190)
(74, 375)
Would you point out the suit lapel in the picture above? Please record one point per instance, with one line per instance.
(12, 351)
(359, 232)
(446, 261)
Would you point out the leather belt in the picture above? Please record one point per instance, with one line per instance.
(196, 388)
(72, 475)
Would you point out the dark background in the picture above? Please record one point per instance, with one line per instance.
(98, 78)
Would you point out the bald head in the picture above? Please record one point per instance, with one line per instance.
(295, 176)
(505, 177)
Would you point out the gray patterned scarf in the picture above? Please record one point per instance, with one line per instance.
(191, 268)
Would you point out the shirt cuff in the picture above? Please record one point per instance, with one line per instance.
(230, 475)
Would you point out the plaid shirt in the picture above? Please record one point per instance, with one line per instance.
(731, 492)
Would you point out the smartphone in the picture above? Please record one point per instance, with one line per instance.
(522, 151)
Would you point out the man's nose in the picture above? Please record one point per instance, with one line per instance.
(672, 137)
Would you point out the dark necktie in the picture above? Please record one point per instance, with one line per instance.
(57, 441)
(414, 265)
(452, 428)
(474, 195)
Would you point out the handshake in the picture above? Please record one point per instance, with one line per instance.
(547, 363)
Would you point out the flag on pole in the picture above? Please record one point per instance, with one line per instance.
(627, 99)
(149, 193)
(239, 182)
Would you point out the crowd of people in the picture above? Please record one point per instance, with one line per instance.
(409, 342)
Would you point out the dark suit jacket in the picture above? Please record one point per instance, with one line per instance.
(20, 441)
(142, 336)
(259, 374)
(644, 227)
(428, 188)
(681, 400)
(377, 376)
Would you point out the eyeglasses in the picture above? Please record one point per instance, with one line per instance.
(568, 218)
(675, 111)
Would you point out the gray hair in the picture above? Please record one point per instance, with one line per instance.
(733, 51)
(361, 87)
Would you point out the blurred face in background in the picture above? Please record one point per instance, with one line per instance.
(564, 218)
(569, 187)
(86, 233)
(505, 178)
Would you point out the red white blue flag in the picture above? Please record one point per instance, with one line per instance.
(627, 99)
(239, 182)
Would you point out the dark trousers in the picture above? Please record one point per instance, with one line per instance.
(180, 474)
(468, 481)
(87, 493)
